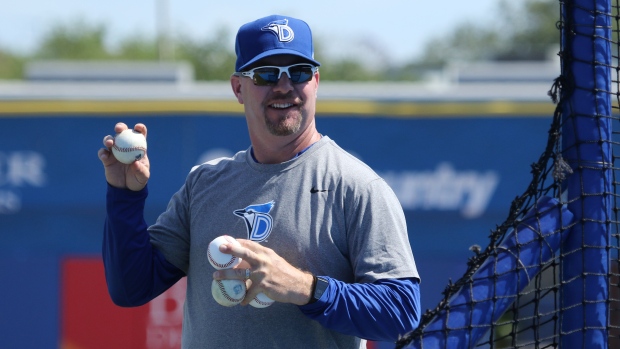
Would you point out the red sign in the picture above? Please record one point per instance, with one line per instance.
(91, 321)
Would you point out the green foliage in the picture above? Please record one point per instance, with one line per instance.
(137, 48)
(531, 30)
(468, 42)
(11, 65)
(523, 30)
(346, 70)
(212, 59)
(78, 40)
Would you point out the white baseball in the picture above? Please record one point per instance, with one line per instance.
(221, 260)
(228, 292)
(261, 301)
(129, 146)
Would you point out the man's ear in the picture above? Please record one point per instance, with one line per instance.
(316, 89)
(235, 83)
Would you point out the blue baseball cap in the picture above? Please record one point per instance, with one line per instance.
(273, 35)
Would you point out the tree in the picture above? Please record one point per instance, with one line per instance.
(346, 69)
(523, 31)
(137, 47)
(467, 43)
(530, 31)
(11, 65)
(212, 59)
(77, 40)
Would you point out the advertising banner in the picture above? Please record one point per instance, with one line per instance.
(455, 178)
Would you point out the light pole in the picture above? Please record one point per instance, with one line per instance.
(164, 41)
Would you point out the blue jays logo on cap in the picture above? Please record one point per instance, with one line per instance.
(258, 222)
(281, 29)
(273, 35)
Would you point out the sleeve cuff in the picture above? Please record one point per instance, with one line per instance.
(321, 302)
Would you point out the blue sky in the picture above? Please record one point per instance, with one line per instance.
(397, 28)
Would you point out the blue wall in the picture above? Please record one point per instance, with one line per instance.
(456, 178)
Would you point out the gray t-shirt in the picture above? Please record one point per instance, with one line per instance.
(325, 212)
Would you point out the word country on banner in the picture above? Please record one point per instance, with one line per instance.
(444, 189)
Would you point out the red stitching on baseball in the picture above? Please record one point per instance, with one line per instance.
(262, 302)
(223, 266)
(232, 260)
(129, 149)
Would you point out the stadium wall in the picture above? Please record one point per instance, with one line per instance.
(455, 165)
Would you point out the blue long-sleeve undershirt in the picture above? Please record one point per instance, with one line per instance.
(136, 273)
(379, 311)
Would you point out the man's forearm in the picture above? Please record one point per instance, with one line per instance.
(381, 311)
(135, 271)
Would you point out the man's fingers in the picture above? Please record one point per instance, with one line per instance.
(140, 128)
(250, 294)
(249, 244)
(106, 157)
(103, 154)
(233, 273)
(245, 251)
(120, 127)
(108, 141)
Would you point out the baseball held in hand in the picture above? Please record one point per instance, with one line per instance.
(228, 292)
(261, 301)
(129, 146)
(221, 260)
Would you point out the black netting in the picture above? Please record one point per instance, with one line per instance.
(550, 275)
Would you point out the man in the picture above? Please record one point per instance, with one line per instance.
(320, 232)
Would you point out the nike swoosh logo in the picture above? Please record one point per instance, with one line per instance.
(315, 190)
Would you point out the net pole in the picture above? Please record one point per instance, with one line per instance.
(586, 142)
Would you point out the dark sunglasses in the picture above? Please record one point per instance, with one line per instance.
(269, 75)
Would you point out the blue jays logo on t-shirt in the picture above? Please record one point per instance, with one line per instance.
(258, 222)
(281, 29)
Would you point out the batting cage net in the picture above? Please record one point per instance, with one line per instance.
(550, 275)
